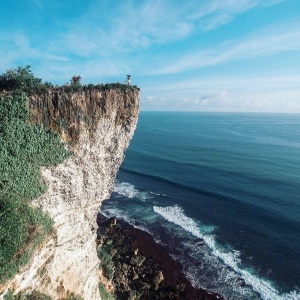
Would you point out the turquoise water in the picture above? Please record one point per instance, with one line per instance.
(221, 192)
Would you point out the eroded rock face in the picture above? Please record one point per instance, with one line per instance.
(98, 126)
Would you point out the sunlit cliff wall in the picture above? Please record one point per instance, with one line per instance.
(97, 127)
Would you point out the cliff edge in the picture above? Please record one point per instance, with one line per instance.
(96, 124)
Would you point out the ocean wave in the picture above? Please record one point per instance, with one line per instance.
(113, 212)
(130, 191)
(264, 288)
(195, 189)
(158, 194)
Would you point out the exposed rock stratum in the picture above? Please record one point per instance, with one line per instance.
(98, 126)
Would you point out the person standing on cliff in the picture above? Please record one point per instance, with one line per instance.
(128, 79)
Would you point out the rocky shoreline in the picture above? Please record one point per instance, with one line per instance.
(138, 267)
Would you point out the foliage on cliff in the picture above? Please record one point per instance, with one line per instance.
(31, 296)
(23, 79)
(36, 296)
(24, 148)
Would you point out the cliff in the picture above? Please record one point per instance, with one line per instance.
(97, 125)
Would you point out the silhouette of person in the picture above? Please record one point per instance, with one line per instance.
(128, 79)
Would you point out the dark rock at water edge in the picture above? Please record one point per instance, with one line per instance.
(143, 269)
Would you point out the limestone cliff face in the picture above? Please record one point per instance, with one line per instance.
(98, 126)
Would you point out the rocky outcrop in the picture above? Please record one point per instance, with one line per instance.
(139, 268)
(97, 126)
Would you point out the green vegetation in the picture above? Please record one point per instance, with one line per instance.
(87, 120)
(104, 294)
(106, 261)
(73, 297)
(77, 87)
(37, 296)
(22, 79)
(62, 123)
(24, 148)
(31, 296)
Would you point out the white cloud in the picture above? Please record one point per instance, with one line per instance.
(136, 26)
(244, 84)
(56, 57)
(270, 93)
(215, 21)
(150, 98)
(215, 99)
(15, 47)
(214, 13)
(112, 38)
(126, 27)
(270, 41)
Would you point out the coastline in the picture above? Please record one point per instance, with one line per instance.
(143, 269)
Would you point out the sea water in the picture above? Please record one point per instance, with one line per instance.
(221, 191)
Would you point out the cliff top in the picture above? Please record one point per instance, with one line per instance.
(22, 79)
(69, 108)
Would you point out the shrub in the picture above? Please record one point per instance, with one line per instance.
(104, 294)
(87, 120)
(32, 296)
(106, 262)
(76, 79)
(73, 297)
(36, 296)
(22, 79)
(24, 148)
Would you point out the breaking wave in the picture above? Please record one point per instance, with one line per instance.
(113, 212)
(130, 191)
(264, 288)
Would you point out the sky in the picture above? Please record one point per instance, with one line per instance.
(194, 55)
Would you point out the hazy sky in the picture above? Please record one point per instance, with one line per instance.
(220, 55)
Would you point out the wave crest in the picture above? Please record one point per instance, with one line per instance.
(130, 191)
(264, 288)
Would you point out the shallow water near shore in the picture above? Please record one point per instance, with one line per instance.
(220, 191)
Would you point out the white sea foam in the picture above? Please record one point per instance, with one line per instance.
(157, 194)
(113, 212)
(130, 191)
(175, 214)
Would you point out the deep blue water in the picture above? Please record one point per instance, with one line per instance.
(221, 192)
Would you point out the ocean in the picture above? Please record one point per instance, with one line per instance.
(221, 191)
